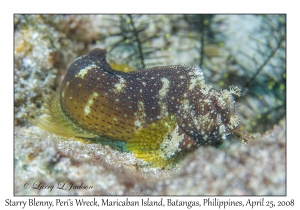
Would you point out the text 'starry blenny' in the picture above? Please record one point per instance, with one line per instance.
(157, 112)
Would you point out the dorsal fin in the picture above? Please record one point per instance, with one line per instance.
(99, 56)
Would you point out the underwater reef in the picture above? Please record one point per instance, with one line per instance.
(247, 51)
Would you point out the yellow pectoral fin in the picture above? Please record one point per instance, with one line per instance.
(151, 143)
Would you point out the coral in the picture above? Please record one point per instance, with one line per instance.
(43, 50)
(34, 62)
(255, 61)
(247, 51)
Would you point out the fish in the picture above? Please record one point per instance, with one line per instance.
(157, 112)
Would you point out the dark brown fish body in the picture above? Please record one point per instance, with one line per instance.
(168, 106)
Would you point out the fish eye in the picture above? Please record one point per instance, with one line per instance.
(216, 107)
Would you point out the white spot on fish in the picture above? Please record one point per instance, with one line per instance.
(84, 71)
